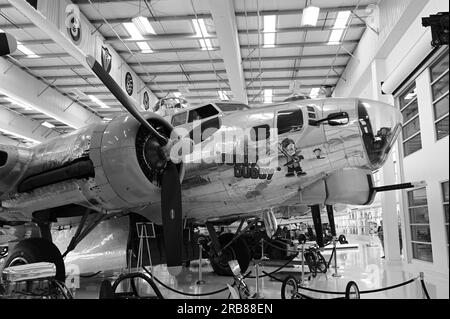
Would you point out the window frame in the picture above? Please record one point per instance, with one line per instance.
(438, 99)
(277, 117)
(408, 88)
(446, 222)
(411, 241)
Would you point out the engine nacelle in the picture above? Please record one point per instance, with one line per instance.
(125, 175)
(352, 186)
(13, 162)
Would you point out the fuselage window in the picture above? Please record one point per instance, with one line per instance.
(205, 130)
(179, 119)
(202, 113)
(260, 133)
(290, 121)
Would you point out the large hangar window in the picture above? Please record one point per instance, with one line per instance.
(445, 198)
(439, 87)
(420, 225)
(412, 139)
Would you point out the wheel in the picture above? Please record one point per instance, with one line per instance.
(352, 291)
(35, 250)
(277, 253)
(236, 251)
(310, 260)
(321, 264)
(302, 239)
(135, 293)
(343, 240)
(289, 288)
(106, 290)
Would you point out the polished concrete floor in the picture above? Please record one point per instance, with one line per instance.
(363, 265)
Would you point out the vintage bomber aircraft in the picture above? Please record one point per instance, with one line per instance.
(320, 152)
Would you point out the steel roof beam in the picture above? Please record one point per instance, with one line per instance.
(224, 18)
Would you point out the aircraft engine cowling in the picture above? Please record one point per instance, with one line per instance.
(352, 186)
(128, 162)
(13, 161)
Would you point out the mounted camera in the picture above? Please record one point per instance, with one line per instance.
(439, 28)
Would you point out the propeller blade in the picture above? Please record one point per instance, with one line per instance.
(120, 95)
(8, 44)
(172, 218)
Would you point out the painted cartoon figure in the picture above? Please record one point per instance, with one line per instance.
(293, 156)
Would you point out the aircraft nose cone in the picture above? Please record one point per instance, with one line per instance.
(380, 125)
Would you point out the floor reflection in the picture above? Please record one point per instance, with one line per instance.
(363, 265)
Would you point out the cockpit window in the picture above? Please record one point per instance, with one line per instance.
(203, 112)
(297, 98)
(231, 107)
(379, 131)
(179, 119)
(290, 121)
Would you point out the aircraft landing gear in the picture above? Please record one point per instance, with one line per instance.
(35, 250)
(225, 248)
(238, 250)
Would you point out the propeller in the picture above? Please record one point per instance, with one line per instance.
(171, 207)
(8, 44)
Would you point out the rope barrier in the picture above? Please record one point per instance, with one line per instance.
(424, 288)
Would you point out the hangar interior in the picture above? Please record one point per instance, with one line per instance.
(91, 90)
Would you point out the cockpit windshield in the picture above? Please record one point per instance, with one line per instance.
(380, 125)
(231, 107)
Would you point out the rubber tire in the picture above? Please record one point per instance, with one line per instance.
(241, 250)
(348, 290)
(35, 250)
(343, 240)
(291, 280)
(106, 290)
(323, 269)
(278, 254)
(311, 262)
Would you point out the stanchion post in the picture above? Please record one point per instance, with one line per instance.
(302, 281)
(200, 265)
(336, 275)
(258, 294)
(422, 276)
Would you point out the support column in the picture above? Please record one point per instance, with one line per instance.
(389, 201)
(224, 17)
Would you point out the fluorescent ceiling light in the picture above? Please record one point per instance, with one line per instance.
(144, 25)
(310, 15)
(268, 95)
(47, 124)
(98, 102)
(18, 103)
(339, 27)
(223, 95)
(26, 51)
(20, 136)
(202, 32)
(270, 23)
(134, 33)
(314, 93)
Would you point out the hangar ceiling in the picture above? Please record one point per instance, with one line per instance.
(266, 54)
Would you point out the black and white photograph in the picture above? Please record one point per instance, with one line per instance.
(214, 158)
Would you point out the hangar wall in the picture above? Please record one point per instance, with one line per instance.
(395, 41)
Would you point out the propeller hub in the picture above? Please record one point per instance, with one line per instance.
(154, 154)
